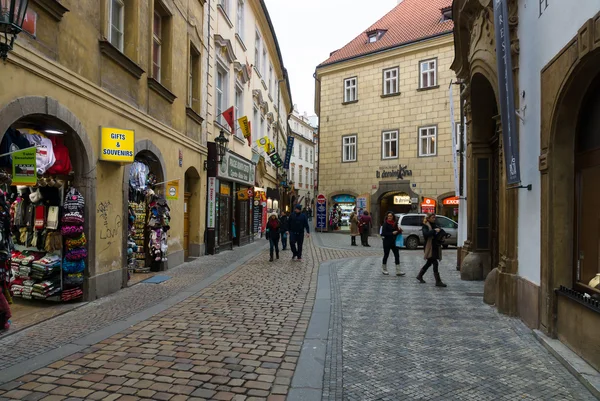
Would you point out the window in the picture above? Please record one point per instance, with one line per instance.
(117, 23)
(312, 180)
(161, 29)
(427, 139)
(225, 5)
(262, 126)
(372, 38)
(264, 61)
(445, 222)
(222, 85)
(390, 81)
(350, 90)
(255, 125)
(414, 221)
(271, 80)
(239, 108)
(293, 173)
(239, 29)
(156, 46)
(428, 74)
(300, 151)
(306, 153)
(389, 145)
(349, 148)
(300, 176)
(194, 80)
(306, 181)
(311, 156)
(257, 52)
(294, 150)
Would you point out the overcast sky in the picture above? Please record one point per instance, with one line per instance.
(308, 30)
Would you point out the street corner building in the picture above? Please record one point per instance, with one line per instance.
(531, 93)
(111, 93)
(383, 100)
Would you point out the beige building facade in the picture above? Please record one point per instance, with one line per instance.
(385, 133)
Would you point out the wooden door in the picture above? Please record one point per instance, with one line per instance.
(186, 224)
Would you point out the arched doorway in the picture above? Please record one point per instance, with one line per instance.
(396, 202)
(143, 186)
(340, 209)
(484, 170)
(191, 214)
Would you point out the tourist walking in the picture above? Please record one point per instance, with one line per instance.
(284, 229)
(434, 238)
(353, 227)
(298, 222)
(365, 223)
(273, 229)
(389, 232)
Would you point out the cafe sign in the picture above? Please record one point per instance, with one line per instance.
(398, 173)
(402, 200)
(117, 145)
(237, 169)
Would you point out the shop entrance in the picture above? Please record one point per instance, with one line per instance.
(186, 225)
(191, 214)
(396, 202)
(224, 211)
(340, 211)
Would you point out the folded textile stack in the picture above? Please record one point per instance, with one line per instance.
(16, 287)
(69, 295)
(46, 289)
(27, 289)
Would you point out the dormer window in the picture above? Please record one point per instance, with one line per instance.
(375, 35)
(447, 14)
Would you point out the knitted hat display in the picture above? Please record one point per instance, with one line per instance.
(76, 254)
(73, 267)
(74, 202)
(76, 242)
(73, 218)
(73, 280)
(71, 231)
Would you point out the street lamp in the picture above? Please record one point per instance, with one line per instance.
(222, 142)
(12, 16)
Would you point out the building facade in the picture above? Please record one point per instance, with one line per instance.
(538, 237)
(302, 165)
(385, 138)
(247, 73)
(132, 67)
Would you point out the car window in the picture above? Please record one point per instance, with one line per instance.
(445, 222)
(412, 221)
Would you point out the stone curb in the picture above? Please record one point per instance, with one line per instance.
(586, 374)
(14, 372)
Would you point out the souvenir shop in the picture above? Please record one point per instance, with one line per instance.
(450, 207)
(148, 217)
(43, 247)
(340, 211)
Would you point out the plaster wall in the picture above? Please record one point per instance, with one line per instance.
(542, 32)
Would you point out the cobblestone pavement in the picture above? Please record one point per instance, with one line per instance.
(395, 339)
(238, 339)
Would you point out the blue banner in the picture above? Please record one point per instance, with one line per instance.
(288, 152)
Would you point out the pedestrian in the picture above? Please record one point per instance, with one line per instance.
(353, 227)
(433, 248)
(273, 229)
(389, 232)
(297, 224)
(365, 224)
(284, 230)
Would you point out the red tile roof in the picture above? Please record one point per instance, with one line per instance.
(408, 22)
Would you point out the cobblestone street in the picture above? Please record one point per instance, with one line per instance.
(236, 327)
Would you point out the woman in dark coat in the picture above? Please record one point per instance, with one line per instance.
(364, 224)
(389, 232)
(273, 229)
(433, 249)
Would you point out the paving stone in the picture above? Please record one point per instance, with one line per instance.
(203, 393)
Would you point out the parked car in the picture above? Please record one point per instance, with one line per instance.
(412, 223)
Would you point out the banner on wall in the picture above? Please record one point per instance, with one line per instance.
(173, 190)
(245, 127)
(212, 198)
(24, 167)
(288, 152)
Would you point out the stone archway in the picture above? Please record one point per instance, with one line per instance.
(384, 188)
(82, 158)
(192, 190)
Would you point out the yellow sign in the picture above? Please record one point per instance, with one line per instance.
(244, 126)
(266, 144)
(225, 189)
(173, 190)
(117, 145)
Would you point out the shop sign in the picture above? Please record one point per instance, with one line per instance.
(173, 190)
(237, 169)
(225, 190)
(288, 152)
(344, 199)
(24, 167)
(453, 201)
(245, 127)
(510, 136)
(212, 198)
(256, 217)
(428, 202)
(117, 145)
(399, 173)
(402, 200)
(321, 212)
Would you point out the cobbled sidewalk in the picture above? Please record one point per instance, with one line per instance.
(392, 338)
(238, 339)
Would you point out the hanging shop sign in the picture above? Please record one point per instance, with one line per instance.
(321, 212)
(173, 190)
(237, 169)
(288, 152)
(343, 199)
(212, 198)
(245, 127)
(256, 217)
(269, 147)
(117, 145)
(428, 205)
(402, 199)
(510, 136)
(453, 201)
(399, 173)
(24, 167)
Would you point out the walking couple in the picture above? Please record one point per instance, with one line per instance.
(360, 226)
(295, 225)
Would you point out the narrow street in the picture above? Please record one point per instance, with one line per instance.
(236, 327)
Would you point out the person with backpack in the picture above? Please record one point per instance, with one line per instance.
(298, 222)
(434, 239)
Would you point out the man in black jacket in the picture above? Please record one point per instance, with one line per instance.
(297, 224)
(284, 220)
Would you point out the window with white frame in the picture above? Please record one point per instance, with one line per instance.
(239, 29)
(257, 41)
(262, 126)
(225, 5)
(350, 89)
(271, 80)
(294, 149)
(427, 141)
(239, 107)
(293, 173)
(264, 61)
(428, 74)
(349, 148)
(117, 23)
(156, 46)
(306, 153)
(300, 151)
(306, 181)
(390, 81)
(194, 80)
(389, 145)
(255, 125)
(222, 90)
(311, 155)
(300, 175)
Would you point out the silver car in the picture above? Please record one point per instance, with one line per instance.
(412, 223)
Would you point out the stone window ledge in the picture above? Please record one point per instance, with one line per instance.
(428, 88)
(576, 296)
(240, 140)
(115, 54)
(224, 14)
(161, 90)
(264, 84)
(191, 113)
(240, 41)
(391, 95)
(52, 7)
(350, 102)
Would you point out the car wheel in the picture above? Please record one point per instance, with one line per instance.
(412, 242)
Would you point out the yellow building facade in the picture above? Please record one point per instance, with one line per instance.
(134, 65)
(385, 130)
